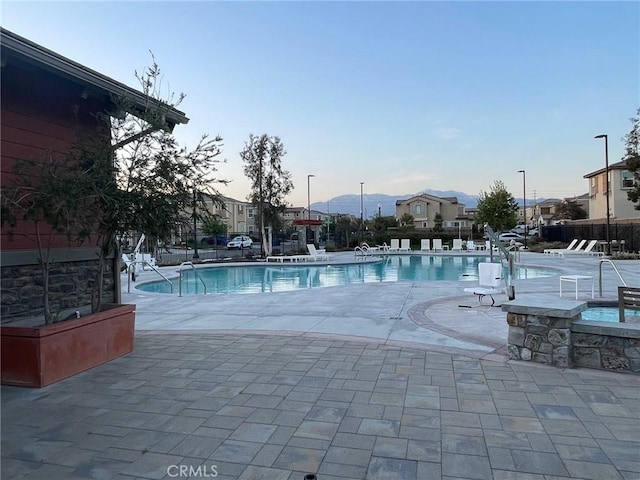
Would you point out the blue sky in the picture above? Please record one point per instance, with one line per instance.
(403, 96)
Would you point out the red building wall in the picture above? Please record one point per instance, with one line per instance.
(40, 117)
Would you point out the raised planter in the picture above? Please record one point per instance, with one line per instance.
(40, 356)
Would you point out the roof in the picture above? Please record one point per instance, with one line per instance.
(19, 48)
(614, 166)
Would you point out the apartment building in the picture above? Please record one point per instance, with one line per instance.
(424, 208)
(620, 182)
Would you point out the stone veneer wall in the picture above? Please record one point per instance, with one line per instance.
(608, 346)
(551, 331)
(70, 284)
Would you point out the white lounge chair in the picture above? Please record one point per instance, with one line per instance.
(579, 246)
(316, 254)
(437, 244)
(489, 280)
(554, 251)
(588, 250)
(425, 245)
(394, 245)
(457, 244)
(470, 245)
(405, 245)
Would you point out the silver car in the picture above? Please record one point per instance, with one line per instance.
(508, 236)
(241, 241)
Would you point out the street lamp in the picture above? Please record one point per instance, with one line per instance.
(524, 199)
(361, 210)
(196, 257)
(308, 205)
(606, 173)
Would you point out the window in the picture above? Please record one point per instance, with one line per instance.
(425, 224)
(627, 179)
(240, 209)
(594, 185)
(418, 208)
(250, 212)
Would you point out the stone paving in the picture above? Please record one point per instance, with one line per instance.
(282, 406)
(210, 392)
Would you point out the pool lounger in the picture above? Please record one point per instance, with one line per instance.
(291, 258)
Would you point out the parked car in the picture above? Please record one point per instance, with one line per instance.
(533, 232)
(508, 236)
(217, 240)
(241, 241)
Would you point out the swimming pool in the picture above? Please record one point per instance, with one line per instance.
(605, 314)
(270, 278)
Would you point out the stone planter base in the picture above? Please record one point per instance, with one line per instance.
(40, 356)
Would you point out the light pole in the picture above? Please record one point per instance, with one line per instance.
(308, 205)
(361, 209)
(524, 199)
(196, 257)
(606, 192)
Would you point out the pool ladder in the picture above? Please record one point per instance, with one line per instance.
(144, 263)
(610, 262)
(195, 272)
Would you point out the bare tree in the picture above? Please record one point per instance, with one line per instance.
(270, 183)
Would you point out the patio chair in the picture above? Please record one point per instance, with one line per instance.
(628, 300)
(394, 245)
(425, 245)
(470, 245)
(405, 245)
(588, 250)
(489, 279)
(457, 244)
(437, 244)
(553, 251)
(315, 254)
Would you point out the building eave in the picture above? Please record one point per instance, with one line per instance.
(15, 46)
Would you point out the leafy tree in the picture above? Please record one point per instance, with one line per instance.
(632, 157)
(437, 226)
(570, 209)
(213, 226)
(497, 208)
(270, 183)
(406, 222)
(380, 223)
(346, 228)
(142, 181)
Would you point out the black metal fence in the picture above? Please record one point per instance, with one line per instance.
(627, 232)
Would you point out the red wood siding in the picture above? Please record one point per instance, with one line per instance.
(40, 115)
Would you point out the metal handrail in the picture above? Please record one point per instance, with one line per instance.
(606, 260)
(144, 262)
(508, 256)
(360, 250)
(195, 272)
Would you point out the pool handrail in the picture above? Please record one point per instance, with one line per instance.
(606, 260)
(144, 263)
(195, 272)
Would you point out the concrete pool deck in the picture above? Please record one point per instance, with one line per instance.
(375, 381)
(426, 313)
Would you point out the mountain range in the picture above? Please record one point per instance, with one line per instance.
(374, 203)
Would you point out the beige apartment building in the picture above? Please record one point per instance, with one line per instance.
(620, 182)
(424, 208)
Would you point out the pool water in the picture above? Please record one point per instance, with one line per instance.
(605, 314)
(281, 278)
